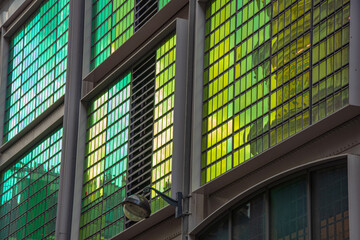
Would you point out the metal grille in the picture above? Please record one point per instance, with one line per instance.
(144, 9)
(141, 126)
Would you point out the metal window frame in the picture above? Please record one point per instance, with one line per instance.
(351, 163)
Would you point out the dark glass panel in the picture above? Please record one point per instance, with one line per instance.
(288, 208)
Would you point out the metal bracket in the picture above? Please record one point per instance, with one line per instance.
(176, 203)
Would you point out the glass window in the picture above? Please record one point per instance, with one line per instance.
(218, 231)
(29, 192)
(284, 208)
(248, 220)
(288, 211)
(36, 66)
(330, 204)
(129, 142)
(257, 59)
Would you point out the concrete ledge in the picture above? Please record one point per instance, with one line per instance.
(145, 224)
(30, 135)
(157, 22)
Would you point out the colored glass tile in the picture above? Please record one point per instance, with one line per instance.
(37, 66)
(29, 192)
(258, 90)
(106, 160)
(163, 120)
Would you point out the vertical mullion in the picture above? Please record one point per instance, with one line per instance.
(309, 205)
(267, 214)
(230, 225)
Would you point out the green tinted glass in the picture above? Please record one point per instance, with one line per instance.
(258, 90)
(112, 25)
(29, 192)
(106, 161)
(113, 142)
(163, 121)
(37, 66)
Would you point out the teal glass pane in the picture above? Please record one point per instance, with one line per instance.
(331, 204)
(162, 3)
(37, 66)
(29, 188)
(106, 161)
(112, 25)
(289, 211)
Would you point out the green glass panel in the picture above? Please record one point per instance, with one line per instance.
(112, 25)
(27, 186)
(37, 66)
(163, 121)
(106, 160)
(273, 76)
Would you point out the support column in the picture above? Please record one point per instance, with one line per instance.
(4, 58)
(188, 121)
(354, 195)
(71, 119)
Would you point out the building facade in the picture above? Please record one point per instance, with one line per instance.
(249, 108)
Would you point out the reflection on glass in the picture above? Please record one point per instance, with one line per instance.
(236, 81)
(112, 25)
(288, 211)
(330, 204)
(248, 221)
(106, 161)
(29, 190)
(163, 121)
(239, 57)
(36, 66)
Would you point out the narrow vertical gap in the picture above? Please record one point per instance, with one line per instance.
(141, 128)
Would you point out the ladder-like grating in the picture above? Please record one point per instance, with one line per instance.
(144, 10)
(141, 127)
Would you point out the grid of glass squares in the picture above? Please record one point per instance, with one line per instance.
(112, 25)
(289, 100)
(163, 121)
(259, 86)
(330, 57)
(29, 192)
(109, 162)
(106, 162)
(37, 65)
(236, 84)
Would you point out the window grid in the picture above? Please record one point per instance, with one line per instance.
(111, 161)
(106, 162)
(330, 74)
(289, 100)
(114, 22)
(163, 121)
(259, 86)
(37, 66)
(287, 207)
(112, 25)
(30, 192)
(237, 51)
